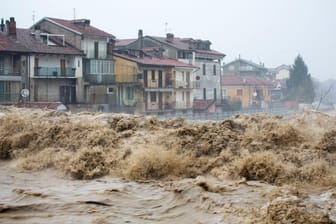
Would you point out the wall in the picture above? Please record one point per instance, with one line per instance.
(47, 90)
(282, 74)
(52, 86)
(183, 97)
(70, 37)
(125, 69)
(88, 46)
(53, 61)
(247, 95)
(209, 81)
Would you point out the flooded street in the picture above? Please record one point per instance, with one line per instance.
(103, 168)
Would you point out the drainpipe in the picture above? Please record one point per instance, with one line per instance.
(28, 75)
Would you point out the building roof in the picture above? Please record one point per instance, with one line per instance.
(236, 80)
(184, 44)
(25, 42)
(9, 44)
(286, 67)
(124, 42)
(247, 62)
(156, 61)
(73, 26)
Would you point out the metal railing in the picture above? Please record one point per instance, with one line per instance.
(54, 72)
(186, 84)
(226, 114)
(100, 79)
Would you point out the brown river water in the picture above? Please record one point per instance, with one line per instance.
(58, 167)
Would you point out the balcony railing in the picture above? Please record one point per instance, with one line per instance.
(6, 75)
(135, 79)
(8, 71)
(186, 84)
(100, 79)
(54, 72)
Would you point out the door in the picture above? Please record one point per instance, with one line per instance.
(96, 49)
(36, 64)
(188, 99)
(62, 66)
(72, 94)
(160, 100)
(67, 94)
(188, 79)
(160, 79)
(145, 78)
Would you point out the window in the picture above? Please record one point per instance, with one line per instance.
(182, 76)
(182, 96)
(153, 97)
(215, 94)
(204, 93)
(239, 92)
(204, 73)
(101, 67)
(96, 49)
(110, 90)
(78, 63)
(2, 65)
(214, 69)
(153, 75)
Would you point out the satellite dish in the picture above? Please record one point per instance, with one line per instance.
(24, 93)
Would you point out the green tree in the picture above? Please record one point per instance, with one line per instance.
(300, 85)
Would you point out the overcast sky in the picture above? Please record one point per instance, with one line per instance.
(273, 32)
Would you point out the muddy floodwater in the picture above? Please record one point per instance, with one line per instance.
(58, 167)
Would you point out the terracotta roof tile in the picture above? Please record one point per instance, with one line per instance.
(26, 42)
(89, 30)
(183, 44)
(236, 80)
(156, 61)
(9, 44)
(124, 42)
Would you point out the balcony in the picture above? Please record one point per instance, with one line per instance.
(54, 72)
(7, 74)
(186, 84)
(159, 86)
(100, 79)
(99, 72)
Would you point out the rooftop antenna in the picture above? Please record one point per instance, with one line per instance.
(33, 16)
(166, 27)
(74, 11)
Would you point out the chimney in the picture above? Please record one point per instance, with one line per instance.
(37, 32)
(86, 23)
(12, 27)
(110, 46)
(2, 26)
(140, 39)
(170, 37)
(140, 34)
(7, 27)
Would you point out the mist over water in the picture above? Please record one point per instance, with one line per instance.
(59, 167)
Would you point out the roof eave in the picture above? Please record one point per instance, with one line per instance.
(65, 27)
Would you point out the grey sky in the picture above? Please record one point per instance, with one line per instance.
(268, 31)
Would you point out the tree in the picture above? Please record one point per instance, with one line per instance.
(300, 85)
